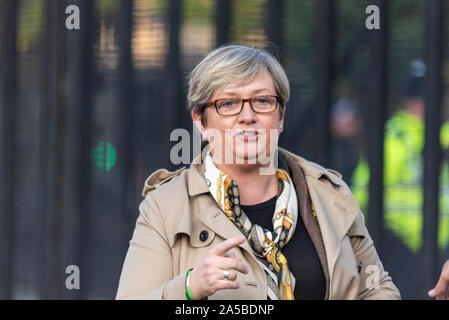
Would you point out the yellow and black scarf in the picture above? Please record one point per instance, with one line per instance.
(266, 244)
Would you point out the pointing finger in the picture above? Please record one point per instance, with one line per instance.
(227, 245)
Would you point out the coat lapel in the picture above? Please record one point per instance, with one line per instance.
(214, 219)
(335, 212)
(335, 215)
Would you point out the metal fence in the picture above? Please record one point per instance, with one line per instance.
(86, 116)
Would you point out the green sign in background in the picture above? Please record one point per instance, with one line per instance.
(104, 156)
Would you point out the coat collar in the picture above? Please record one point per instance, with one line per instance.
(314, 170)
(197, 185)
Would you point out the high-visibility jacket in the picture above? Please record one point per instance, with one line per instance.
(403, 173)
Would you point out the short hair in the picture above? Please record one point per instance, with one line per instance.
(233, 64)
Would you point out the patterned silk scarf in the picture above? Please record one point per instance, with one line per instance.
(266, 244)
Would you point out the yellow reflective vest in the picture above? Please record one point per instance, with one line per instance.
(403, 170)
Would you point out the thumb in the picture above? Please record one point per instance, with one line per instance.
(439, 289)
(432, 293)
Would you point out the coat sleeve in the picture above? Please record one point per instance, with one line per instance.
(147, 271)
(375, 283)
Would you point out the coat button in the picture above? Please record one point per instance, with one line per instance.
(204, 235)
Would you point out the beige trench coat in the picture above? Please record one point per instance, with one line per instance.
(178, 208)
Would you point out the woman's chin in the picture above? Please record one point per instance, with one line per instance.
(248, 156)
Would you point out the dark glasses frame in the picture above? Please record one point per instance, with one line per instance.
(214, 103)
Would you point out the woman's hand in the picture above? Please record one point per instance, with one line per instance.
(208, 276)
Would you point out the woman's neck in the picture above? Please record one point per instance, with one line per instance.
(254, 187)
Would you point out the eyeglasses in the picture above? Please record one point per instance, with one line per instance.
(233, 106)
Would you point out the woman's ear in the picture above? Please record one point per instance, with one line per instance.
(281, 121)
(197, 121)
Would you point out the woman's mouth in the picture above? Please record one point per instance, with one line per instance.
(248, 135)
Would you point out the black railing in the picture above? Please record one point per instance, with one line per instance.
(432, 150)
(84, 214)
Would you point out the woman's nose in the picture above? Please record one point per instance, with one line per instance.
(247, 113)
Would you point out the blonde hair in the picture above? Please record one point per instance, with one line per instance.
(233, 64)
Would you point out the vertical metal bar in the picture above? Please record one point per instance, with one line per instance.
(326, 74)
(222, 21)
(432, 151)
(174, 22)
(378, 96)
(80, 80)
(52, 130)
(274, 23)
(8, 130)
(125, 160)
(173, 88)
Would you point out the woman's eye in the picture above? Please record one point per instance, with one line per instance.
(227, 103)
(261, 100)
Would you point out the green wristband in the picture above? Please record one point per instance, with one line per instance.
(189, 296)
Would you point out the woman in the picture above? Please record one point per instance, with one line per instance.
(234, 225)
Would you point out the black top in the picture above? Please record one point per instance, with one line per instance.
(300, 252)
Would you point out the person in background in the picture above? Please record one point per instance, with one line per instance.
(345, 128)
(403, 168)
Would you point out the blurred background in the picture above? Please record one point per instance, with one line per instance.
(86, 117)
